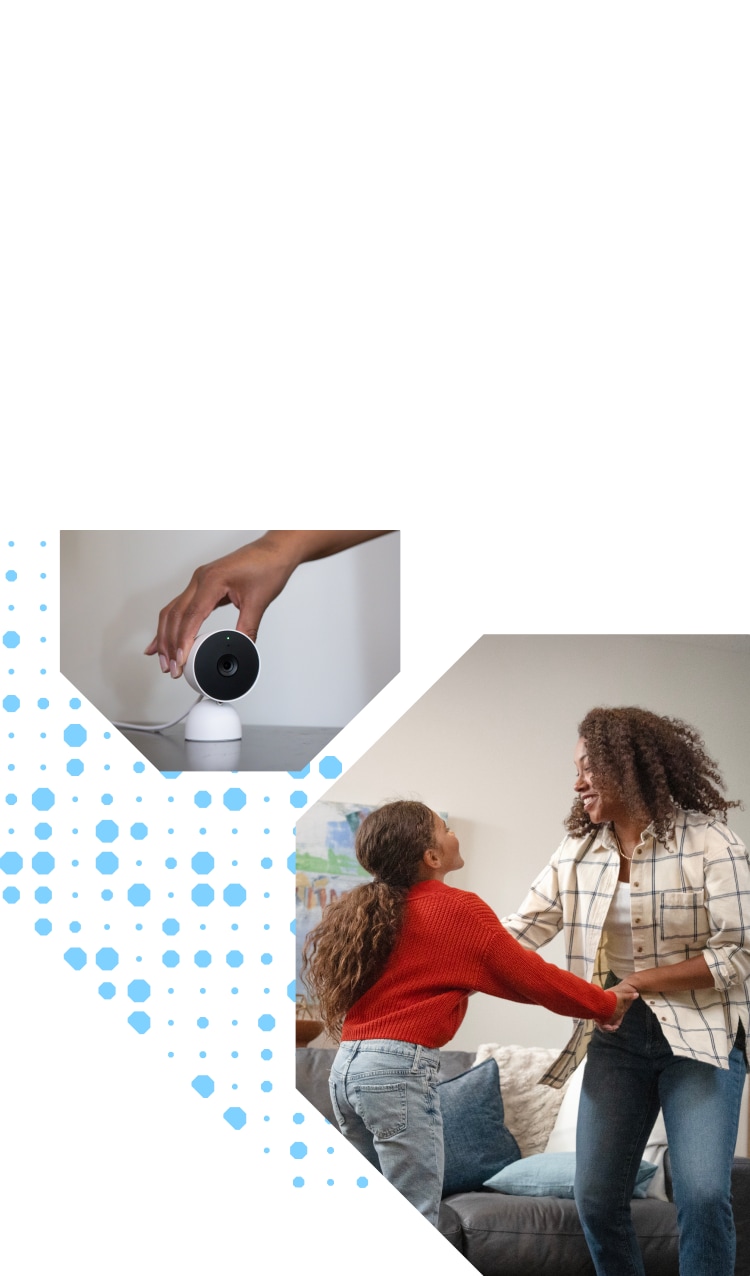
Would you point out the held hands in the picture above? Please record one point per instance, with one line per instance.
(626, 994)
(250, 578)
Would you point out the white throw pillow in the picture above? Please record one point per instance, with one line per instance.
(530, 1108)
(563, 1136)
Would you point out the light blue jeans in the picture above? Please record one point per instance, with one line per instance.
(629, 1075)
(384, 1094)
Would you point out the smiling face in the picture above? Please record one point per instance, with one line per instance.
(600, 806)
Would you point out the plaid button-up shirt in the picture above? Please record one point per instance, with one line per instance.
(687, 897)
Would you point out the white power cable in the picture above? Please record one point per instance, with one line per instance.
(163, 726)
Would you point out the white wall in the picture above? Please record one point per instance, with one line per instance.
(492, 743)
(327, 644)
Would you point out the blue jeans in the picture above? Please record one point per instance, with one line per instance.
(629, 1075)
(385, 1097)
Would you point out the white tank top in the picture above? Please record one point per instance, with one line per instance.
(617, 934)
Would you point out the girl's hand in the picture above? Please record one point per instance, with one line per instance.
(625, 995)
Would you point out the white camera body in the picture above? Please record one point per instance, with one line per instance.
(222, 666)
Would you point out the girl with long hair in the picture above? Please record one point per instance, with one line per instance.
(651, 887)
(391, 966)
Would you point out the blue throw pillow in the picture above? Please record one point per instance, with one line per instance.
(477, 1141)
(552, 1174)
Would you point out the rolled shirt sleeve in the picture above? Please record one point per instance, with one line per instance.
(727, 895)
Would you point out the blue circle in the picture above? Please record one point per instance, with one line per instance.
(235, 799)
(202, 863)
(42, 799)
(202, 895)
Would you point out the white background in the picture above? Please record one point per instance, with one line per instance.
(476, 272)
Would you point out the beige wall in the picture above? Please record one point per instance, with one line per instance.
(492, 743)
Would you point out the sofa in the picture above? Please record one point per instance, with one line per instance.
(502, 1234)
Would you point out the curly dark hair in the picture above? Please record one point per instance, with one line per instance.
(655, 765)
(347, 951)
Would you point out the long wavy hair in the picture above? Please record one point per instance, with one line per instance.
(657, 766)
(348, 950)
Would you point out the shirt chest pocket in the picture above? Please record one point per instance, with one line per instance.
(683, 921)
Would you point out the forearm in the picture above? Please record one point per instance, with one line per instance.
(294, 548)
(514, 972)
(680, 977)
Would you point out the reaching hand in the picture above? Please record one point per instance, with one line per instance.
(625, 995)
(250, 578)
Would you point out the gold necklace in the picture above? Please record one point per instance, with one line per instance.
(619, 847)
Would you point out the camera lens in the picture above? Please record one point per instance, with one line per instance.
(226, 665)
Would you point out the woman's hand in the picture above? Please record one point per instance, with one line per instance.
(626, 995)
(250, 578)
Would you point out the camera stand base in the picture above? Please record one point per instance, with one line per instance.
(208, 720)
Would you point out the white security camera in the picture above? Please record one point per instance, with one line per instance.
(222, 666)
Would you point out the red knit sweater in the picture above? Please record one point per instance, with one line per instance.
(452, 944)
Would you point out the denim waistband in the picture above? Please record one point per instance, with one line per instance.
(407, 1050)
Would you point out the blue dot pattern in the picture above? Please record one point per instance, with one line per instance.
(171, 901)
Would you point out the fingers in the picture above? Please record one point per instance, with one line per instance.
(181, 619)
(251, 614)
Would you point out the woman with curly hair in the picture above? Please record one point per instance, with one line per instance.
(651, 887)
(391, 965)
